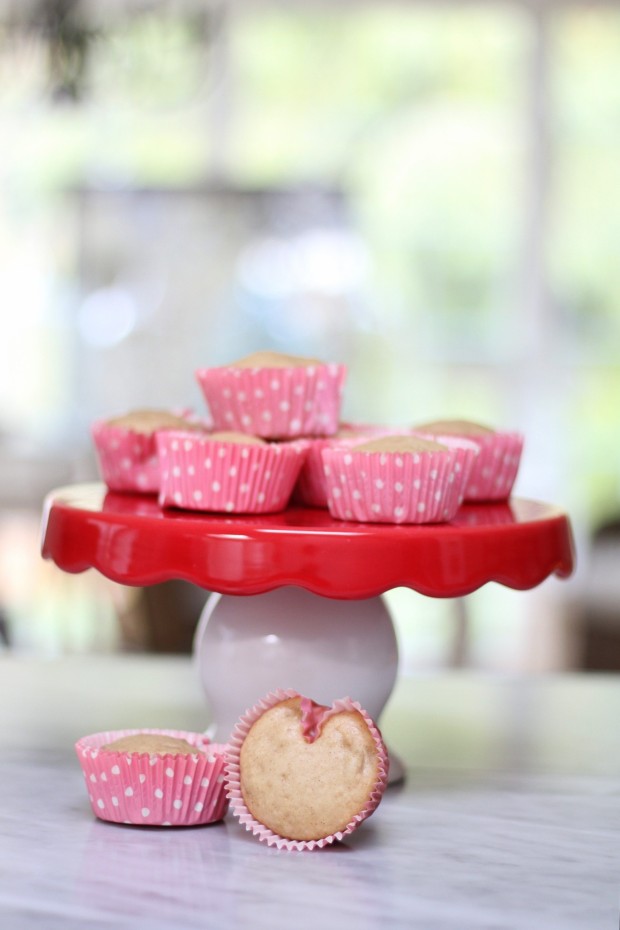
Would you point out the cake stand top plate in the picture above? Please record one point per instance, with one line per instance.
(132, 540)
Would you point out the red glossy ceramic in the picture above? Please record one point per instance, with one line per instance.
(132, 540)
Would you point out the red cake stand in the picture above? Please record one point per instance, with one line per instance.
(315, 621)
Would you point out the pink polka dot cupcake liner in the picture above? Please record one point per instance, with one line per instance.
(495, 468)
(154, 789)
(127, 459)
(199, 473)
(311, 487)
(275, 403)
(465, 452)
(238, 806)
(390, 487)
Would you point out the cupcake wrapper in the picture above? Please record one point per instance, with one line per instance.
(495, 469)
(275, 403)
(233, 775)
(198, 473)
(127, 459)
(311, 487)
(466, 452)
(382, 487)
(175, 790)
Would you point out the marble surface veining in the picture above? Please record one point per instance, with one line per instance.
(502, 824)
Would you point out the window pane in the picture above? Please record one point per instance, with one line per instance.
(583, 245)
(586, 207)
(423, 128)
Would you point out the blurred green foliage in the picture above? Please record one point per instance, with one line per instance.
(420, 115)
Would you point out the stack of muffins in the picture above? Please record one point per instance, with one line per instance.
(275, 434)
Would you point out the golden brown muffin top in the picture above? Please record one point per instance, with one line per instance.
(269, 359)
(245, 439)
(454, 428)
(349, 432)
(147, 421)
(151, 742)
(399, 444)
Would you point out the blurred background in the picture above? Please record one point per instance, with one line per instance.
(427, 192)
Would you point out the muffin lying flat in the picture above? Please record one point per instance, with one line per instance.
(227, 472)
(126, 448)
(394, 479)
(494, 469)
(275, 396)
(159, 778)
(311, 487)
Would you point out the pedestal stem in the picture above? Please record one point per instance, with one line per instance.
(290, 638)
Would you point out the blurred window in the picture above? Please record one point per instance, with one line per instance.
(465, 263)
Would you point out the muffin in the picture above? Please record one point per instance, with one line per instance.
(494, 470)
(154, 777)
(275, 396)
(150, 742)
(127, 451)
(227, 472)
(311, 487)
(301, 775)
(394, 479)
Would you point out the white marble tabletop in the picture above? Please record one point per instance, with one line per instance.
(509, 817)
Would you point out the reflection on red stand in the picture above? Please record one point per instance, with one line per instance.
(133, 541)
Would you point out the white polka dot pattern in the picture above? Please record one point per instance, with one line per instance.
(496, 467)
(311, 487)
(224, 477)
(238, 805)
(275, 403)
(159, 789)
(372, 488)
(127, 460)
(494, 470)
(466, 453)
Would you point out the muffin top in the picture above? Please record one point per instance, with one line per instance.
(302, 785)
(151, 742)
(350, 432)
(242, 438)
(269, 359)
(399, 443)
(454, 428)
(147, 421)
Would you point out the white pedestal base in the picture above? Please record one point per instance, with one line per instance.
(289, 638)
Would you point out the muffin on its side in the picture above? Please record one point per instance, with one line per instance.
(301, 775)
(275, 396)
